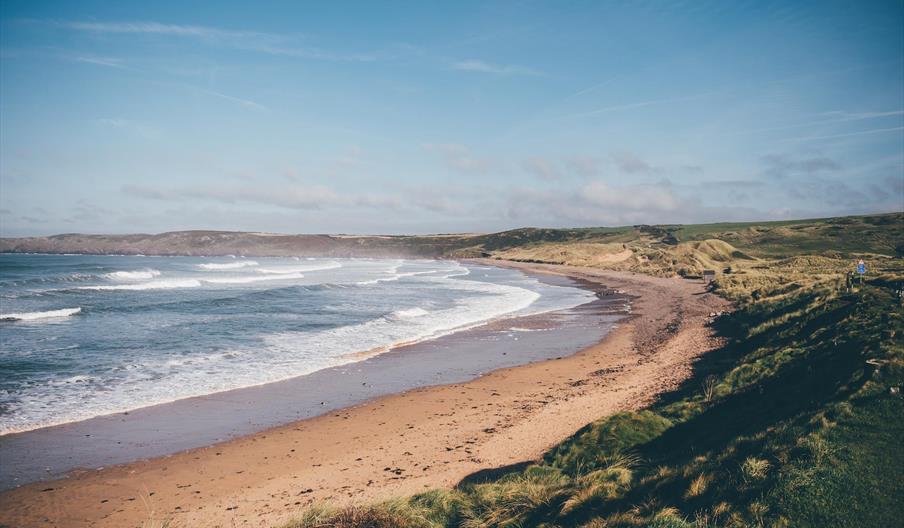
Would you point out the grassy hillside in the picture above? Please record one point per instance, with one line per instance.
(689, 249)
(876, 234)
(652, 248)
(797, 421)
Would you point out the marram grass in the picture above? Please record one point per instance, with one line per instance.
(795, 422)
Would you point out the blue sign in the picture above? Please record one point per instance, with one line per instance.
(861, 267)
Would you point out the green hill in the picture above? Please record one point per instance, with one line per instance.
(796, 422)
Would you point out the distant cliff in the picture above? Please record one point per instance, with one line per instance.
(666, 247)
(212, 243)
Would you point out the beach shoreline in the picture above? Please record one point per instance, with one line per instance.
(151, 431)
(399, 443)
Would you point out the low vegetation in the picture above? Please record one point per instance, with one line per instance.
(659, 249)
(797, 421)
(688, 250)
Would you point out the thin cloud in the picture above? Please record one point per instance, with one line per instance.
(647, 198)
(732, 184)
(290, 196)
(243, 102)
(599, 203)
(110, 62)
(856, 116)
(837, 116)
(459, 157)
(257, 41)
(585, 166)
(247, 103)
(119, 64)
(130, 126)
(849, 134)
(781, 166)
(631, 163)
(158, 29)
(640, 104)
(542, 168)
(588, 89)
(480, 66)
(294, 196)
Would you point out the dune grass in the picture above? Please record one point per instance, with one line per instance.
(797, 421)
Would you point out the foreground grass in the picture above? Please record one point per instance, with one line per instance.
(797, 421)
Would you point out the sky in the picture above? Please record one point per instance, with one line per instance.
(434, 117)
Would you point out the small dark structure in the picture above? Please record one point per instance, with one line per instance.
(708, 276)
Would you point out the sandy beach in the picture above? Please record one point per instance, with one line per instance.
(402, 443)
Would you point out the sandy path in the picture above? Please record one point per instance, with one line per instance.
(399, 444)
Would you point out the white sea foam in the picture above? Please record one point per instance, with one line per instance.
(163, 284)
(394, 277)
(228, 265)
(141, 381)
(253, 278)
(33, 316)
(299, 269)
(133, 275)
(406, 326)
(409, 313)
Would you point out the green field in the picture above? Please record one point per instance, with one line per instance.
(797, 421)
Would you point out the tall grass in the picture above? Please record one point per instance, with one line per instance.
(796, 421)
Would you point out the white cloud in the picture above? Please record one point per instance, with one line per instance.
(845, 135)
(586, 166)
(650, 199)
(459, 157)
(640, 104)
(780, 166)
(257, 41)
(841, 115)
(631, 163)
(480, 66)
(287, 196)
(134, 127)
(247, 103)
(110, 62)
(835, 116)
(160, 29)
(542, 168)
(292, 196)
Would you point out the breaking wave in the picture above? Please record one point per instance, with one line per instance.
(163, 284)
(227, 265)
(133, 275)
(34, 316)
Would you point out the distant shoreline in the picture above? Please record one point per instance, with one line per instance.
(440, 245)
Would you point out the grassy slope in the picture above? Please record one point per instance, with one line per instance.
(787, 425)
(689, 249)
(876, 234)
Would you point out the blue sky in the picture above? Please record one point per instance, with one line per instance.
(418, 117)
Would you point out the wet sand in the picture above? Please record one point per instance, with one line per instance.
(400, 443)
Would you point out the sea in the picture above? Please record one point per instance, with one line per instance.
(83, 336)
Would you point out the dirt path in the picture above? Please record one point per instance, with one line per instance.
(398, 444)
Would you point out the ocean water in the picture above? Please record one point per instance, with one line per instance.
(84, 336)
